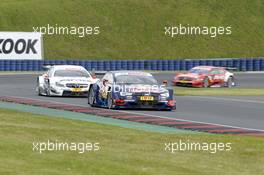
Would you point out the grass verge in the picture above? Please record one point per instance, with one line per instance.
(135, 29)
(219, 91)
(122, 151)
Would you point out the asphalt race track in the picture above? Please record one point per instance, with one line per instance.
(242, 79)
(245, 112)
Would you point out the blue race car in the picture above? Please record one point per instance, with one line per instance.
(130, 90)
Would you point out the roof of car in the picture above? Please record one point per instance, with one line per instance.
(131, 72)
(205, 67)
(121, 71)
(67, 67)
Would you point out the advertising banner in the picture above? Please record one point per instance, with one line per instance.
(21, 46)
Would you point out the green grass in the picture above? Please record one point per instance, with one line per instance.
(219, 91)
(122, 151)
(134, 29)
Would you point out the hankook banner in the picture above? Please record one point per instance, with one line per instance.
(21, 46)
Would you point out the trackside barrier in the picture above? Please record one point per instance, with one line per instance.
(245, 64)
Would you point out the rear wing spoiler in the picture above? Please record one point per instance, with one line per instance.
(46, 67)
(98, 72)
(92, 72)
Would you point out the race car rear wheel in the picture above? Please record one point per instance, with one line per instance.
(206, 83)
(91, 97)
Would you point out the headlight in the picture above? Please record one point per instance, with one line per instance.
(164, 96)
(59, 84)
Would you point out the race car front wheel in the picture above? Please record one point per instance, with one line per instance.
(110, 103)
(206, 83)
(91, 97)
(38, 88)
(230, 82)
(48, 92)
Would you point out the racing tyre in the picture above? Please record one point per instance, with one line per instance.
(91, 97)
(230, 82)
(38, 89)
(48, 91)
(206, 83)
(110, 103)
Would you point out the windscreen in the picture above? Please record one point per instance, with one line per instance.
(199, 71)
(136, 79)
(71, 73)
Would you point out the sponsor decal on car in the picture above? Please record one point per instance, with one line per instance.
(147, 98)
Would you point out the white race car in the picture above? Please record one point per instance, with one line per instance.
(65, 80)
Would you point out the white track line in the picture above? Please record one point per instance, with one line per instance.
(237, 127)
(229, 99)
(151, 115)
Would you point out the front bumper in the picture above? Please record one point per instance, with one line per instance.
(159, 105)
(64, 91)
(188, 83)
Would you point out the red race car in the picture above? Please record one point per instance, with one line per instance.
(205, 76)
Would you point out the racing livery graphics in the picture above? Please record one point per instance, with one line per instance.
(205, 76)
(65, 80)
(131, 89)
